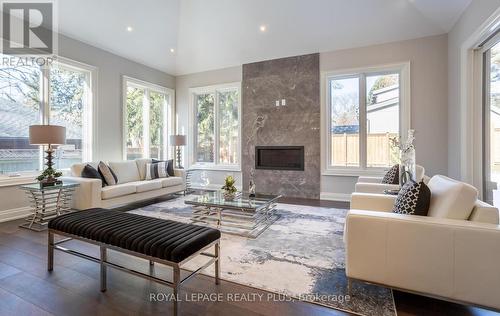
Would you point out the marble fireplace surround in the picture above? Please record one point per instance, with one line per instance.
(297, 80)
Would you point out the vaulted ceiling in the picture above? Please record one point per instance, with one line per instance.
(186, 36)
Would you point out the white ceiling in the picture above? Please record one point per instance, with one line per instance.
(213, 34)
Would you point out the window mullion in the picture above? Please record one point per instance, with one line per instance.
(145, 119)
(362, 122)
(216, 128)
(45, 95)
(165, 128)
(196, 127)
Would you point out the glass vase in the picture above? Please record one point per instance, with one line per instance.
(407, 167)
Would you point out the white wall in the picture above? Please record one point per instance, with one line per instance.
(183, 108)
(428, 57)
(109, 107)
(476, 14)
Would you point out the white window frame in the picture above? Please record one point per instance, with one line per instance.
(403, 69)
(216, 165)
(89, 136)
(168, 117)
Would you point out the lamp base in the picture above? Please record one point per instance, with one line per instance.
(179, 166)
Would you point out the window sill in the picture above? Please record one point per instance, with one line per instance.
(6, 181)
(215, 168)
(355, 172)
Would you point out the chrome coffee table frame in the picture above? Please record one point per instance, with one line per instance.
(244, 216)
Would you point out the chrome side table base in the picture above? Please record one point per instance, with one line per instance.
(47, 203)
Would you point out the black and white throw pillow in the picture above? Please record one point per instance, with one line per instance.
(91, 173)
(157, 170)
(170, 168)
(107, 174)
(413, 199)
(392, 176)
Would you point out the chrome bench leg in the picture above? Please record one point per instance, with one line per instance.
(177, 280)
(50, 252)
(103, 269)
(217, 263)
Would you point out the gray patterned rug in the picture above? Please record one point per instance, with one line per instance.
(300, 255)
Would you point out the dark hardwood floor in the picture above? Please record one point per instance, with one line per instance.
(26, 288)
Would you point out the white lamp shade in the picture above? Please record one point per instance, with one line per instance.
(177, 140)
(47, 135)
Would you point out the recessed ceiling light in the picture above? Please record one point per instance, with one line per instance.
(263, 28)
(130, 29)
(172, 50)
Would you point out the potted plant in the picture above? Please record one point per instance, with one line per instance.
(229, 189)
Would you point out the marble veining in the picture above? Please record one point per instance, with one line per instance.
(295, 79)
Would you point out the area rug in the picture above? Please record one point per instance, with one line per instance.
(301, 255)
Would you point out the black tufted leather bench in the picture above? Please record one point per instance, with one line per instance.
(157, 240)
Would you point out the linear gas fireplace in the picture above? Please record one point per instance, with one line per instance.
(279, 157)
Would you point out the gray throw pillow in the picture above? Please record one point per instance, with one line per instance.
(107, 174)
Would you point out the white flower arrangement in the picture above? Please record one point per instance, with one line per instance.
(406, 146)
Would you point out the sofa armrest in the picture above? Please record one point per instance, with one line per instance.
(369, 179)
(372, 202)
(374, 187)
(455, 259)
(484, 213)
(87, 195)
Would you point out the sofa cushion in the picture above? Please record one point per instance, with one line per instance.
(107, 174)
(413, 199)
(141, 166)
(117, 190)
(147, 185)
(451, 198)
(171, 181)
(126, 171)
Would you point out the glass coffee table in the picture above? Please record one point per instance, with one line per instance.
(244, 215)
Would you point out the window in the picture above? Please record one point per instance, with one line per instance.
(147, 119)
(365, 109)
(217, 125)
(59, 95)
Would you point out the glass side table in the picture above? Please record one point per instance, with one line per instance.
(47, 203)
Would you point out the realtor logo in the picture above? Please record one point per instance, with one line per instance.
(28, 28)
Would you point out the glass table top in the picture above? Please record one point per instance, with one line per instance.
(242, 200)
(38, 187)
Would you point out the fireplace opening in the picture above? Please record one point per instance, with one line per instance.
(279, 157)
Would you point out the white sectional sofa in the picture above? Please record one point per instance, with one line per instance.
(453, 253)
(132, 185)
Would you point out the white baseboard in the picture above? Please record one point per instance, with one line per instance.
(15, 213)
(343, 197)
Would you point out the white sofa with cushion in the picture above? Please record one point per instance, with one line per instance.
(453, 253)
(375, 185)
(132, 185)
